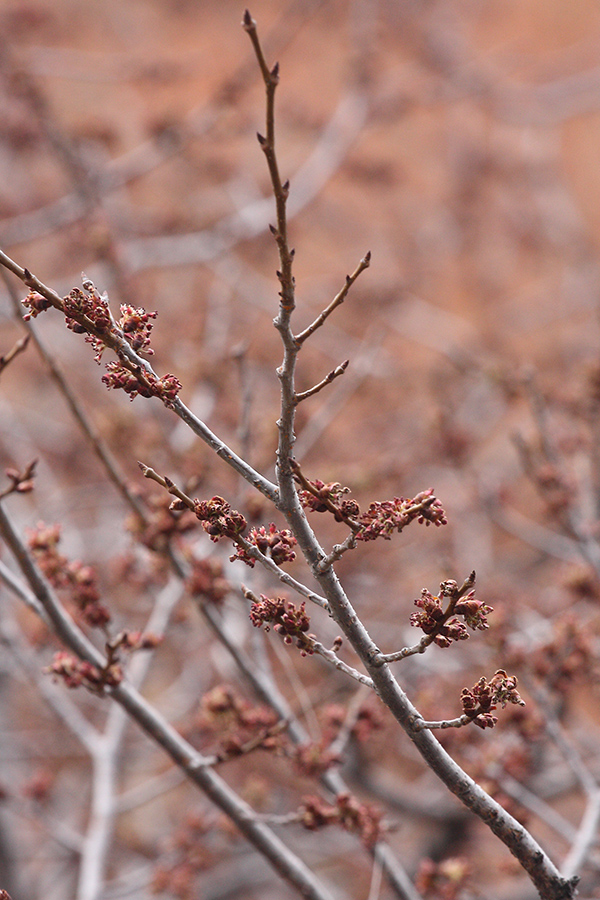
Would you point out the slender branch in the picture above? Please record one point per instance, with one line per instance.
(331, 376)
(339, 664)
(337, 300)
(248, 548)
(142, 370)
(17, 348)
(541, 870)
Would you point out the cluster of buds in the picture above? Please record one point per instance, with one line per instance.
(348, 812)
(146, 384)
(438, 617)
(36, 304)
(76, 673)
(78, 580)
(207, 581)
(331, 497)
(21, 482)
(287, 619)
(239, 726)
(484, 697)
(271, 542)
(384, 518)
(86, 312)
(445, 880)
(219, 519)
(136, 325)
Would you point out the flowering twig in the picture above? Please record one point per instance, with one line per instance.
(137, 368)
(245, 549)
(531, 856)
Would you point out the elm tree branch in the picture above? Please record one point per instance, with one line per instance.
(331, 376)
(337, 300)
(193, 763)
(249, 548)
(140, 367)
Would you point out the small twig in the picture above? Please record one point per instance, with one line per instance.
(280, 190)
(337, 300)
(115, 340)
(249, 548)
(338, 746)
(337, 553)
(334, 659)
(428, 639)
(18, 347)
(331, 376)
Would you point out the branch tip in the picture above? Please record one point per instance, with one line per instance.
(248, 23)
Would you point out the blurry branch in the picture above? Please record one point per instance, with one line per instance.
(106, 755)
(586, 837)
(61, 703)
(152, 153)
(17, 348)
(531, 532)
(546, 468)
(194, 764)
(206, 245)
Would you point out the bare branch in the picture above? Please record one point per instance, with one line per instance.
(335, 373)
(17, 348)
(337, 300)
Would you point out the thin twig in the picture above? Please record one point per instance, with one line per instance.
(331, 376)
(337, 300)
(17, 348)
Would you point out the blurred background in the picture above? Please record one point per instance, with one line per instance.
(458, 142)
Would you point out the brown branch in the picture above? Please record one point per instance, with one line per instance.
(17, 348)
(331, 376)
(337, 300)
